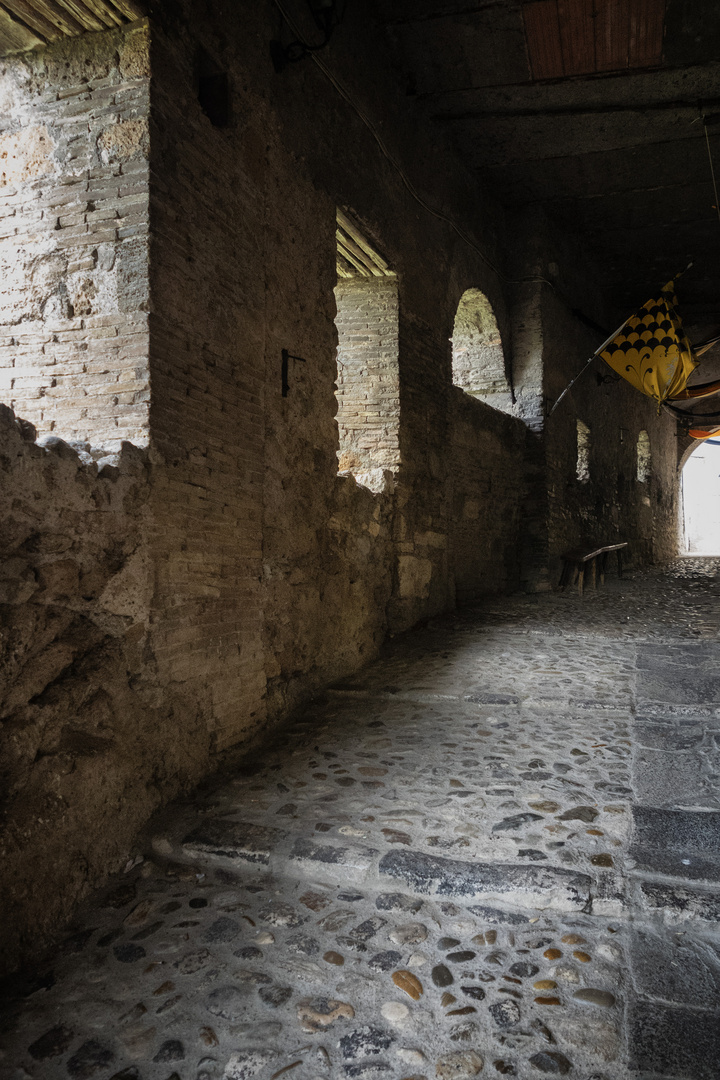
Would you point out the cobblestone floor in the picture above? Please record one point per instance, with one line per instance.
(496, 850)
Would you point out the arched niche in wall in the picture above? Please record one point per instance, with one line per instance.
(643, 458)
(478, 358)
(368, 383)
(582, 465)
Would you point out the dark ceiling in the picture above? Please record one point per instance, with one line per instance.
(608, 140)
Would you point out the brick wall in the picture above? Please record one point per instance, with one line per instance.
(74, 150)
(207, 341)
(478, 355)
(368, 390)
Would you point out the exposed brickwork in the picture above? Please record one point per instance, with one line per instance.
(551, 345)
(421, 524)
(208, 372)
(368, 389)
(612, 504)
(478, 355)
(74, 147)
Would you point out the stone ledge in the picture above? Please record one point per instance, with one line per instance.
(554, 886)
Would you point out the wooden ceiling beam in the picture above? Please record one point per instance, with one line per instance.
(27, 13)
(129, 9)
(82, 15)
(15, 34)
(25, 24)
(104, 12)
(58, 16)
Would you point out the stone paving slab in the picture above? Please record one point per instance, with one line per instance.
(673, 1042)
(452, 877)
(494, 850)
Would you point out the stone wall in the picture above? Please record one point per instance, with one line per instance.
(74, 149)
(75, 733)
(611, 504)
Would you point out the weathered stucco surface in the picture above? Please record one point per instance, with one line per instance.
(182, 599)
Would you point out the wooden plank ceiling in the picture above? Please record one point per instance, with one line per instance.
(355, 256)
(25, 24)
(589, 111)
(582, 37)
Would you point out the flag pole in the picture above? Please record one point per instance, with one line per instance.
(583, 370)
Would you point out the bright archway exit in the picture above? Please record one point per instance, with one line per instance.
(701, 500)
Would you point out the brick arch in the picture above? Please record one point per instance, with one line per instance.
(479, 365)
(686, 448)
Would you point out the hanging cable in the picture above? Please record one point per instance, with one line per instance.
(410, 187)
(327, 14)
(712, 167)
(690, 415)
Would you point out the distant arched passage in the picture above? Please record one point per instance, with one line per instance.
(700, 487)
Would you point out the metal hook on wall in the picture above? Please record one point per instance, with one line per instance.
(285, 369)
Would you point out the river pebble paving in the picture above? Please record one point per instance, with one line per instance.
(433, 872)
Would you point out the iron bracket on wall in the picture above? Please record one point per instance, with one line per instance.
(286, 358)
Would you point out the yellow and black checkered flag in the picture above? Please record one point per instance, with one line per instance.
(651, 350)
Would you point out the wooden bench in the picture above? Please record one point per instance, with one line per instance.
(577, 562)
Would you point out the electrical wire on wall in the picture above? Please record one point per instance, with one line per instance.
(344, 93)
(327, 14)
(408, 184)
(704, 119)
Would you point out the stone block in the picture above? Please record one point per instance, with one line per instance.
(671, 736)
(328, 856)
(674, 967)
(233, 840)
(674, 779)
(681, 686)
(673, 1041)
(677, 830)
(681, 899)
(566, 889)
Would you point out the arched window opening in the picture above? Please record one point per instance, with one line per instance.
(643, 458)
(582, 470)
(701, 500)
(478, 360)
(368, 387)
